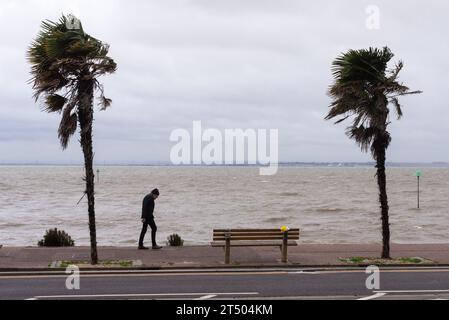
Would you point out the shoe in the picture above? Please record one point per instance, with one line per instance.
(157, 248)
(143, 248)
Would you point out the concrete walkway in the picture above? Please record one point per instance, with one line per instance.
(305, 255)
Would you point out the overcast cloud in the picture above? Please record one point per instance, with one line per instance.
(230, 64)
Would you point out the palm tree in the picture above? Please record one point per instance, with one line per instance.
(363, 90)
(65, 66)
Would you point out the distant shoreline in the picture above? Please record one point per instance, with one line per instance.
(282, 164)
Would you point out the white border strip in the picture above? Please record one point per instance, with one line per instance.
(413, 291)
(203, 295)
(375, 296)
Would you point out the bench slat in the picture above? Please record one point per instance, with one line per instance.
(252, 230)
(256, 232)
(240, 238)
(276, 236)
(222, 234)
(253, 244)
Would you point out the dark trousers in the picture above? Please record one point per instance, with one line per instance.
(153, 226)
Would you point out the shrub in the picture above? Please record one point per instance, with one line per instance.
(175, 240)
(56, 238)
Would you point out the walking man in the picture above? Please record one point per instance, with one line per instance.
(148, 219)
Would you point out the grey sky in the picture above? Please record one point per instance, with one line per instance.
(230, 64)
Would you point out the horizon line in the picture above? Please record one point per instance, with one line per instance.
(284, 163)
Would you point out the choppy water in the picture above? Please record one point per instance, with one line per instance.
(330, 205)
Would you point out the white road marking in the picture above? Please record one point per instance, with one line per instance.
(375, 296)
(308, 272)
(384, 271)
(414, 291)
(148, 295)
(210, 296)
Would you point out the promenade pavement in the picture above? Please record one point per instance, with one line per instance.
(304, 255)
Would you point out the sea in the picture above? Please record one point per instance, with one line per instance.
(330, 204)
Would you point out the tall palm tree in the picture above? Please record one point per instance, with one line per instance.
(363, 90)
(65, 65)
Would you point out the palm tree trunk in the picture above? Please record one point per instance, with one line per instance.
(383, 198)
(85, 113)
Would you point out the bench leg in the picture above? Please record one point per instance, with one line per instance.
(284, 248)
(228, 251)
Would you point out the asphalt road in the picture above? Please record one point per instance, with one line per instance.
(255, 285)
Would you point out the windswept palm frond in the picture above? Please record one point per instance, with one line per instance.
(397, 105)
(361, 65)
(54, 103)
(363, 88)
(67, 126)
(60, 58)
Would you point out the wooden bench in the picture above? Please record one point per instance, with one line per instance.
(228, 238)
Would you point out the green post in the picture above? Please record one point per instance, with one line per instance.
(418, 175)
